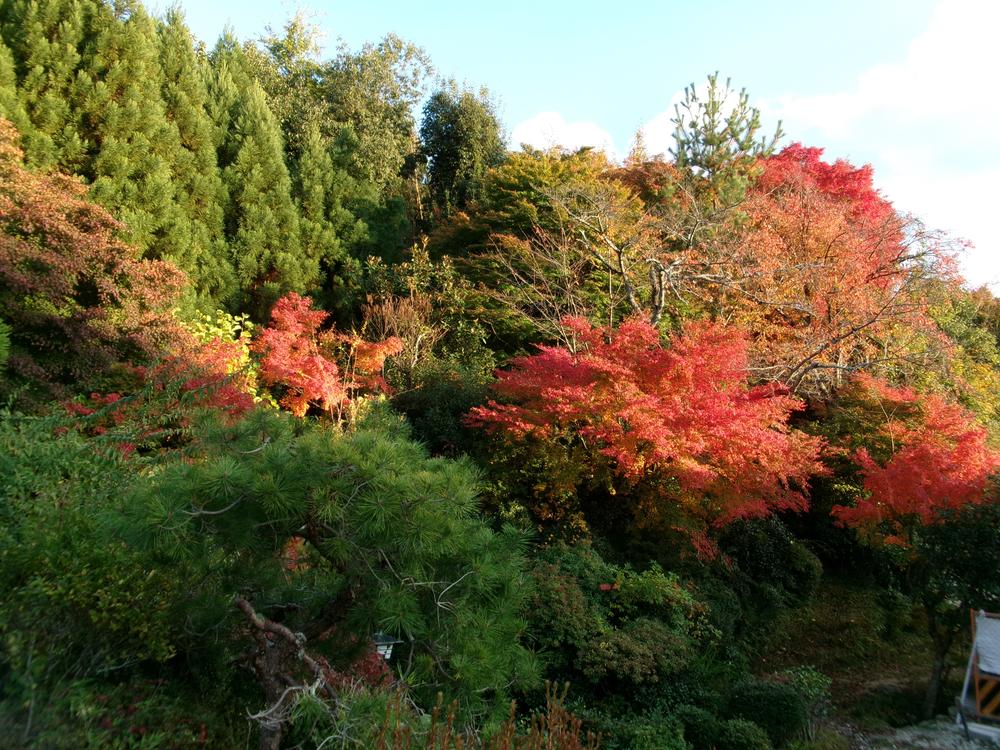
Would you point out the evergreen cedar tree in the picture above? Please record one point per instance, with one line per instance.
(685, 411)
(940, 462)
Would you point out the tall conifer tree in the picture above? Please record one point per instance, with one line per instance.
(134, 143)
(329, 229)
(200, 193)
(46, 39)
(11, 107)
(261, 221)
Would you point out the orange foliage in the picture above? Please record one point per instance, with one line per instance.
(78, 300)
(825, 274)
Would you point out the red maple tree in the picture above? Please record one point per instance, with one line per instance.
(938, 459)
(300, 358)
(684, 412)
(825, 275)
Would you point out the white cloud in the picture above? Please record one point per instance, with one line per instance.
(550, 129)
(955, 202)
(658, 134)
(948, 74)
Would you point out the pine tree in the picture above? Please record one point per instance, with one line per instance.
(11, 107)
(199, 190)
(393, 543)
(46, 39)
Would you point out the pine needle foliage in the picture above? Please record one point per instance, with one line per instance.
(386, 539)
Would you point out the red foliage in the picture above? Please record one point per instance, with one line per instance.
(803, 166)
(685, 412)
(292, 357)
(78, 300)
(940, 460)
(301, 359)
(214, 372)
(194, 375)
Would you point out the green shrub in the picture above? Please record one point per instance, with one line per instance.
(4, 343)
(765, 551)
(776, 707)
(740, 734)
(814, 689)
(701, 728)
(610, 628)
(631, 731)
(435, 403)
(826, 739)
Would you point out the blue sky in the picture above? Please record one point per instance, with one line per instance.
(906, 85)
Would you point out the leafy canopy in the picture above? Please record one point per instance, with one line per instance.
(934, 459)
(684, 412)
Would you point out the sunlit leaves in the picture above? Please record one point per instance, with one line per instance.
(934, 459)
(301, 359)
(684, 412)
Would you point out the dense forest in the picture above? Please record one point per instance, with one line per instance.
(328, 420)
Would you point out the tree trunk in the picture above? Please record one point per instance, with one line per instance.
(270, 738)
(937, 675)
(942, 637)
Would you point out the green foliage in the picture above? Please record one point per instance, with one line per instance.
(11, 106)
(288, 68)
(460, 136)
(116, 565)
(740, 734)
(958, 556)
(703, 730)
(610, 628)
(261, 220)
(96, 714)
(777, 707)
(329, 230)
(4, 343)
(123, 113)
(373, 92)
(47, 40)
(200, 194)
(814, 688)
(384, 720)
(442, 393)
(701, 727)
(771, 568)
(717, 136)
(515, 198)
(393, 544)
(634, 731)
(78, 605)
